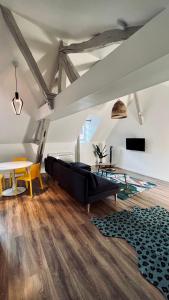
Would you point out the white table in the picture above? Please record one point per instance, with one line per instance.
(12, 166)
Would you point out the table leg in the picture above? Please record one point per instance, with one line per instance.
(14, 186)
(125, 179)
(14, 190)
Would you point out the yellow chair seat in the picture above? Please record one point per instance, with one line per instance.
(2, 183)
(21, 171)
(33, 173)
(24, 178)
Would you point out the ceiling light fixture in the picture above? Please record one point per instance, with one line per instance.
(17, 102)
(119, 110)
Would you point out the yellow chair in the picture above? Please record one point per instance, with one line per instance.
(33, 173)
(2, 183)
(21, 171)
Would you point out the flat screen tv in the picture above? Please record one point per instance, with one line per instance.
(137, 144)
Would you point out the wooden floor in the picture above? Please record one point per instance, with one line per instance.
(50, 250)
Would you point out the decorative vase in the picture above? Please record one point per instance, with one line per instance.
(100, 162)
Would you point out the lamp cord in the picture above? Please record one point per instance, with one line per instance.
(16, 80)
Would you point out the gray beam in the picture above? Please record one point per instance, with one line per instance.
(101, 40)
(20, 41)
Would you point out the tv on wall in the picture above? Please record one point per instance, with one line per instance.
(137, 144)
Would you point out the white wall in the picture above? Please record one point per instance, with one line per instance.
(86, 150)
(9, 151)
(59, 147)
(29, 150)
(66, 130)
(44, 45)
(87, 153)
(155, 160)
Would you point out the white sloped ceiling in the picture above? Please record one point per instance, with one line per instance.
(17, 129)
(42, 23)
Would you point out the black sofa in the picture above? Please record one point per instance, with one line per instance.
(80, 183)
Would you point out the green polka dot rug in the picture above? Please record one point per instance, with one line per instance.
(147, 230)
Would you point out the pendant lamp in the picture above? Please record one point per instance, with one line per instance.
(119, 110)
(17, 102)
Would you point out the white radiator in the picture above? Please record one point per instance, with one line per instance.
(66, 156)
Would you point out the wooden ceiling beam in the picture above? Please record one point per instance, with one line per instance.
(20, 41)
(138, 63)
(44, 126)
(54, 73)
(101, 40)
(138, 108)
(69, 68)
(60, 79)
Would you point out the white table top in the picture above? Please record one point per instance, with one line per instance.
(11, 165)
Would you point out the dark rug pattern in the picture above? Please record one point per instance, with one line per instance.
(147, 230)
(134, 185)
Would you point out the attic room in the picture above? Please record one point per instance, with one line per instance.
(84, 149)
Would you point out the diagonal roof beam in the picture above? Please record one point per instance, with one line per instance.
(54, 73)
(69, 68)
(20, 41)
(54, 80)
(138, 63)
(101, 40)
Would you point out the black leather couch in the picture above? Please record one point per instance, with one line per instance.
(81, 184)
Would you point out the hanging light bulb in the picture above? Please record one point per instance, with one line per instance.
(17, 102)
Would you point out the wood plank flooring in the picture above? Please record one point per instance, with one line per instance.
(50, 250)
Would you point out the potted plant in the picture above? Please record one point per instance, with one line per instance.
(100, 153)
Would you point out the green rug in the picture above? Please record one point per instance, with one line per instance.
(147, 230)
(134, 185)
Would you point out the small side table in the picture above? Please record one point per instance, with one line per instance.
(105, 166)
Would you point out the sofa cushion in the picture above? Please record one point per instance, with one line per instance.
(103, 185)
(92, 182)
(96, 180)
(81, 166)
(73, 182)
(63, 163)
(49, 163)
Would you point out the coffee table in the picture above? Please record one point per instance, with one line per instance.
(112, 172)
(106, 171)
(12, 166)
(104, 166)
(125, 177)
